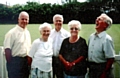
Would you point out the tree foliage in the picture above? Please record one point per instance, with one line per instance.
(85, 12)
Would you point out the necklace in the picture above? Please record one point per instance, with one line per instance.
(45, 44)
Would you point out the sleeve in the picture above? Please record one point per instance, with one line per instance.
(108, 48)
(33, 49)
(9, 40)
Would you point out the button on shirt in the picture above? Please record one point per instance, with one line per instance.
(100, 48)
(58, 37)
(41, 53)
(18, 40)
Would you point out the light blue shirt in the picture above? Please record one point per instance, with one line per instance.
(100, 47)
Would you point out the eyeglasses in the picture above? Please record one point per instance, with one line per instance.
(73, 28)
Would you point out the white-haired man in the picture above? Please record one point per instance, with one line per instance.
(101, 49)
(58, 34)
(17, 44)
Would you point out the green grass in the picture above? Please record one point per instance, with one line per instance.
(85, 32)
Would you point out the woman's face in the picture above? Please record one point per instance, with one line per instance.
(45, 32)
(74, 30)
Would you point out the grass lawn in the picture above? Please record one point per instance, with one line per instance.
(87, 29)
(85, 32)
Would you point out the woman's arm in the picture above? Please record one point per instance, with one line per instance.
(63, 60)
(65, 63)
(78, 60)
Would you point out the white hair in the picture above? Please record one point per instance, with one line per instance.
(108, 20)
(44, 25)
(75, 22)
(58, 15)
(23, 12)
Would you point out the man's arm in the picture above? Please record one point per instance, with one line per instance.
(8, 54)
(29, 60)
(110, 61)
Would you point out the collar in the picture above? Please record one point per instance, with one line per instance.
(20, 28)
(59, 31)
(100, 35)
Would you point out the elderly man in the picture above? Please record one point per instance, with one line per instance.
(101, 50)
(58, 34)
(16, 44)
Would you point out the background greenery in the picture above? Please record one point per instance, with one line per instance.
(85, 12)
(85, 32)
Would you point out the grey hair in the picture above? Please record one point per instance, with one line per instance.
(58, 15)
(75, 22)
(45, 25)
(108, 20)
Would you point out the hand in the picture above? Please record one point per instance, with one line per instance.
(29, 60)
(72, 63)
(8, 58)
(103, 75)
(67, 65)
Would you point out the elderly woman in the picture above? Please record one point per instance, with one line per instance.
(73, 53)
(41, 54)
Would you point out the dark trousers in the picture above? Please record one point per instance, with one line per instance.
(96, 69)
(57, 68)
(18, 68)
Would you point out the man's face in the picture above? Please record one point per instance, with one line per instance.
(23, 20)
(58, 23)
(100, 23)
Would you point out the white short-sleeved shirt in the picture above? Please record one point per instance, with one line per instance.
(58, 37)
(100, 48)
(41, 54)
(18, 40)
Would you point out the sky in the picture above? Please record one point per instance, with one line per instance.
(13, 2)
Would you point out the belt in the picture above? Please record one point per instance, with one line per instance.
(20, 57)
(55, 57)
(93, 64)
